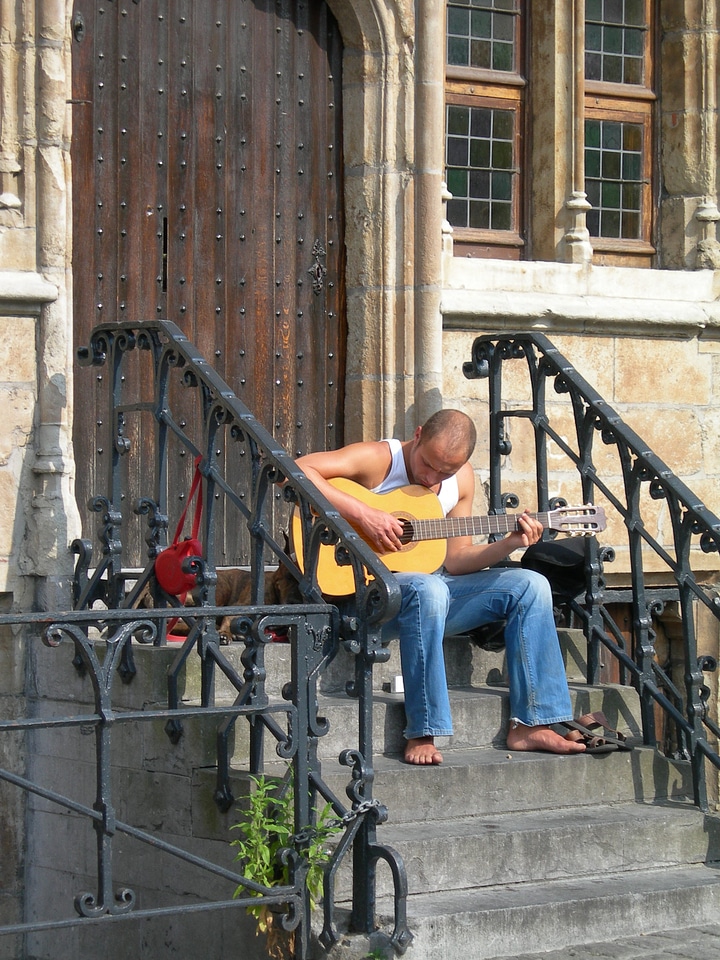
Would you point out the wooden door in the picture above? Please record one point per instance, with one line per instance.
(207, 190)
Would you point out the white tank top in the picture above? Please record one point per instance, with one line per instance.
(448, 494)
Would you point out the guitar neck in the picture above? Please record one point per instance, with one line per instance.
(446, 527)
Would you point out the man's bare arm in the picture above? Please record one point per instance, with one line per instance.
(464, 556)
(366, 464)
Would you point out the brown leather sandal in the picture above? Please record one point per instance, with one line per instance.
(607, 742)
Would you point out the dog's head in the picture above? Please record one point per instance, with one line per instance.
(281, 587)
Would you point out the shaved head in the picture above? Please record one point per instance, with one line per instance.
(456, 430)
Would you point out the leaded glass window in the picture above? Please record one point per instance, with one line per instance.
(483, 134)
(615, 32)
(619, 124)
(481, 34)
(480, 167)
(614, 178)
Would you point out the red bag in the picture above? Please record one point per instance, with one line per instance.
(168, 564)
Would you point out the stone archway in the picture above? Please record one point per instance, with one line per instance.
(393, 101)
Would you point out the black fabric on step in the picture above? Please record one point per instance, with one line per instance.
(490, 636)
(561, 561)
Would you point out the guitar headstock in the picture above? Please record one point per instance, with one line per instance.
(577, 521)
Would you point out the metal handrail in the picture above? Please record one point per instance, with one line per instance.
(109, 618)
(642, 479)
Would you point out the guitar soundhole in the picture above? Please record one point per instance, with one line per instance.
(408, 531)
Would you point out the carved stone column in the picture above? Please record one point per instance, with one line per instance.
(53, 521)
(429, 189)
(689, 134)
(10, 167)
(707, 213)
(377, 81)
(578, 248)
(557, 201)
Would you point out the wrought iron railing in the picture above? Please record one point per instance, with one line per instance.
(179, 399)
(107, 623)
(571, 431)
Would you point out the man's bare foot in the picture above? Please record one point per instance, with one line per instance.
(421, 751)
(521, 737)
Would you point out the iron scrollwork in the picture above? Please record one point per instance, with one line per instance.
(640, 477)
(314, 630)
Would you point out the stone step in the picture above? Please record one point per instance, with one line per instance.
(487, 781)
(467, 665)
(489, 923)
(480, 717)
(482, 782)
(480, 712)
(549, 845)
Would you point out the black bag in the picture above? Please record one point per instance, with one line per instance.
(562, 562)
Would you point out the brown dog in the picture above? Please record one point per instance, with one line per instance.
(234, 589)
(280, 588)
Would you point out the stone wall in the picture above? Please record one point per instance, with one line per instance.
(677, 417)
(650, 350)
(37, 509)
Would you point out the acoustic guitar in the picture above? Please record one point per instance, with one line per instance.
(426, 530)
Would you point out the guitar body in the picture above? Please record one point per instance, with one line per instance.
(407, 504)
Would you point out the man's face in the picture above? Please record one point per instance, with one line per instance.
(433, 461)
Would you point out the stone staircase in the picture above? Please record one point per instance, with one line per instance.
(506, 853)
(517, 853)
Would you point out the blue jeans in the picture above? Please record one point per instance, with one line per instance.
(437, 604)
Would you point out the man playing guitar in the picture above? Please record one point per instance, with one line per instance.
(468, 591)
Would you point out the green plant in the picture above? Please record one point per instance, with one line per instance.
(267, 828)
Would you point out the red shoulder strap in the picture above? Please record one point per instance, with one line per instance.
(195, 491)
